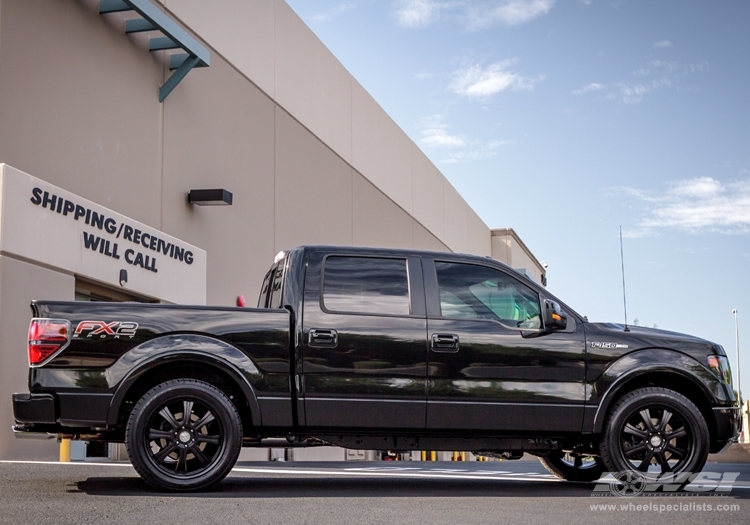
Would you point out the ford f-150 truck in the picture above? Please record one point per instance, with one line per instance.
(384, 349)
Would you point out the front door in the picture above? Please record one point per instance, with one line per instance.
(485, 371)
(364, 342)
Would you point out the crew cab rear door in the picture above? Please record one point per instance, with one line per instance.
(364, 348)
(485, 372)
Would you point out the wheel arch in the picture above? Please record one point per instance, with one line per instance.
(188, 362)
(675, 379)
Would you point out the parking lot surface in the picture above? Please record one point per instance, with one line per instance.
(347, 493)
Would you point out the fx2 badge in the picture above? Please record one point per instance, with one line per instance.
(102, 329)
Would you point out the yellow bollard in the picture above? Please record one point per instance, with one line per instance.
(424, 455)
(433, 455)
(463, 456)
(64, 451)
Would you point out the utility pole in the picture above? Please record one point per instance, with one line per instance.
(737, 350)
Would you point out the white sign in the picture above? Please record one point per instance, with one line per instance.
(48, 225)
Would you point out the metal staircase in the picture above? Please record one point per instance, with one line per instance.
(173, 37)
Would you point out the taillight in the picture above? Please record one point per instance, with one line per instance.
(46, 336)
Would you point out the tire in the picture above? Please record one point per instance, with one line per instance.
(657, 433)
(573, 466)
(183, 435)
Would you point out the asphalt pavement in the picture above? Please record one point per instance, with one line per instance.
(348, 493)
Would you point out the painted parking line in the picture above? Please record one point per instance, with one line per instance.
(388, 474)
(403, 472)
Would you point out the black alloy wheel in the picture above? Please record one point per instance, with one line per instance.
(657, 432)
(184, 435)
(573, 466)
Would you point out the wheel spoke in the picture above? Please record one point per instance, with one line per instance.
(646, 415)
(213, 440)
(205, 420)
(662, 459)
(182, 460)
(664, 420)
(629, 451)
(630, 429)
(166, 451)
(643, 467)
(198, 453)
(169, 418)
(154, 434)
(676, 452)
(676, 434)
(187, 411)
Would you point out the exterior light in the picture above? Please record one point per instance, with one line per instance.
(210, 197)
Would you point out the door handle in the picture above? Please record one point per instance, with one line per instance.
(323, 338)
(447, 343)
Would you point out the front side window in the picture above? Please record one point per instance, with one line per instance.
(469, 291)
(366, 285)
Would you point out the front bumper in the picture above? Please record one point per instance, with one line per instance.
(728, 427)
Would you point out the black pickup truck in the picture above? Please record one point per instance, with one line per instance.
(377, 349)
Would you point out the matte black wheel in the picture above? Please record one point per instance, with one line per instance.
(657, 432)
(573, 466)
(184, 435)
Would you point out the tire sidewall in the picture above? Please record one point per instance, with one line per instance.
(555, 464)
(138, 444)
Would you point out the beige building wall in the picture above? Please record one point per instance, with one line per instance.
(303, 77)
(308, 154)
(20, 282)
(508, 247)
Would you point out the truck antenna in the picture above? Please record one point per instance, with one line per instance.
(624, 301)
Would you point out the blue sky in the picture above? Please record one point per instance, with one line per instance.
(566, 119)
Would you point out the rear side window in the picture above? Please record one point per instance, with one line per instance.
(273, 284)
(366, 285)
(265, 288)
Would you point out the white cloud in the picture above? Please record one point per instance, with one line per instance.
(663, 43)
(472, 14)
(594, 86)
(336, 11)
(451, 149)
(697, 205)
(417, 13)
(482, 82)
(481, 15)
(435, 134)
(654, 76)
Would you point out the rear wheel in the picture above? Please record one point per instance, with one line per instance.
(658, 433)
(573, 466)
(184, 435)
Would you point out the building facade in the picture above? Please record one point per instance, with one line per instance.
(308, 155)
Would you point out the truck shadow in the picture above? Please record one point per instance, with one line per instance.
(323, 487)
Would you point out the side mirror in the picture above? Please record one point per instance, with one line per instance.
(554, 318)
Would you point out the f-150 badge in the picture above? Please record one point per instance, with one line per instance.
(608, 345)
(102, 329)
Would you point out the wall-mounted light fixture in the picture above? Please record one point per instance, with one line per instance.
(210, 197)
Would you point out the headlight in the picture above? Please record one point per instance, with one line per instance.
(719, 364)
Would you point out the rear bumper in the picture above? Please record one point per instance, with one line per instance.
(728, 427)
(34, 408)
(64, 409)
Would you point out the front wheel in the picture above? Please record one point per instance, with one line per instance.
(656, 432)
(183, 435)
(573, 466)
